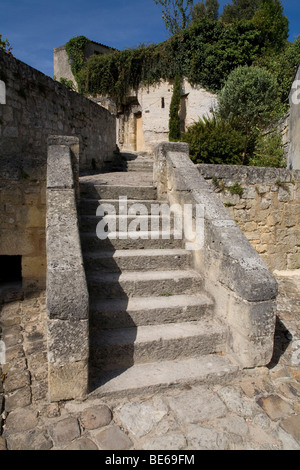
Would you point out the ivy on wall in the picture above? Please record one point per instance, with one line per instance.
(205, 53)
(75, 49)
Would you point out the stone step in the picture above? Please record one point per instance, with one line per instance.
(98, 191)
(130, 241)
(149, 378)
(118, 348)
(136, 156)
(139, 168)
(137, 260)
(89, 206)
(144, 284)
(139, 165)
(142, 311)
(89, 223)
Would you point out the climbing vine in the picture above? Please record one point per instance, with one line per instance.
(75, 50)
(205, 53)
(196, 53)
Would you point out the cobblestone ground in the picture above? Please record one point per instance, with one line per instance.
(259, 410)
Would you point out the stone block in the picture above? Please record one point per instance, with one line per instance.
(34, 266)
(67, 341)
(68, 381)
(113, 438)
(59, 167)
(293, 261)
(239, 266)
(96, 417)
(65, 431)
(21, 242)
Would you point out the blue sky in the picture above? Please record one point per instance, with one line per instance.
(35, 27)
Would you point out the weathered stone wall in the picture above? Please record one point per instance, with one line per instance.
(152, 104)
(267, 210)
(32, 107)
(62, 68)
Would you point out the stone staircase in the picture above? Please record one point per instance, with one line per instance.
(151, 323)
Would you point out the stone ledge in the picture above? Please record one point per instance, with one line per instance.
(235, 276)
(248, 174)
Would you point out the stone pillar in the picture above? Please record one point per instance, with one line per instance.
(66, 293)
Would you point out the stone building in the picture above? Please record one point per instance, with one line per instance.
(143, 119)
(62, 68)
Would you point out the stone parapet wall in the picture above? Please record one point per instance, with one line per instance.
(242, 288)
(32, 107)
(67, 298)
(267, 208)
(37, 106)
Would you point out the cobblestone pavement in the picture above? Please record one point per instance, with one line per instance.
(259, 410)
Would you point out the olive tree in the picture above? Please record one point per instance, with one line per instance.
(250, 97)
(176, 14)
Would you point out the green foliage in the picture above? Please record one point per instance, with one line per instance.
(198, 11)
(239, 10)
(235, 135)
(176, 14)
(206, 8)
(236, 188)
(205, 53)
(68, 83)
(269, 151)
(75, 49)
(212, 140)
(174, 121)
(250, 97)
(4, 45)
(283, 67)
(272, 24)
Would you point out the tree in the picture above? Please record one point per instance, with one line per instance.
(4, 45)
(198, 11)
(215, 141)
(206, 9)
(176, 14)
(251, 98)
(212, 9)
(239, 10)
(174, 121)
(272, 23)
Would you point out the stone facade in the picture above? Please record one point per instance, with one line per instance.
(243, 289)
(144, 120)
(32, 107)
(267, 208)
(62, 67)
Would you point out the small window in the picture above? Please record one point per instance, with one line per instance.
(162, 102)
(10, 269)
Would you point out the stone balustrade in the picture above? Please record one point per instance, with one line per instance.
(243, 289)
(67, 296)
